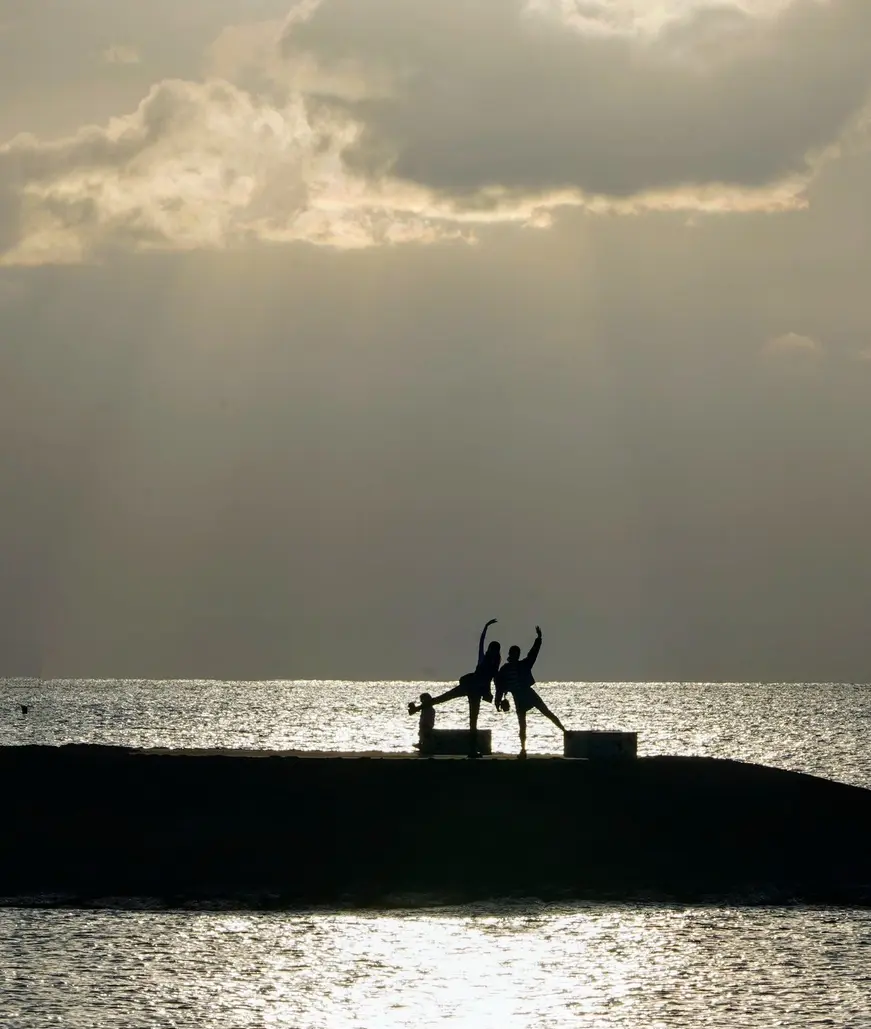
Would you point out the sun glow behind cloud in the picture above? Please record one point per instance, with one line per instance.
(306, 133)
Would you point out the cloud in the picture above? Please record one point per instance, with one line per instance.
(203, 165)
(502, 93)
(363, 122)
(793, 348)
(118, 53)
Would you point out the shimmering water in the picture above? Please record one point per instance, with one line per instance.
(486, 967)
(645, 967)
(822, 729)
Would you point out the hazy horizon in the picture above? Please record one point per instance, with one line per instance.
(198, 680)
(329, 330)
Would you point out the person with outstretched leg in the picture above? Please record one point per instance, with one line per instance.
(473, 685)
(515, 677)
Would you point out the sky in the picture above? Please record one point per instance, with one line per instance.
(330, 330)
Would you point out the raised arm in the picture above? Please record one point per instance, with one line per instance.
(534, 649)
(483, 638)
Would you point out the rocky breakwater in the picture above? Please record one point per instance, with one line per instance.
(283, 830)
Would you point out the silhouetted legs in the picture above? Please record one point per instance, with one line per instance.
(536, 702)
(521, 725)
(457, 691)
(474, 708)
(540, 705)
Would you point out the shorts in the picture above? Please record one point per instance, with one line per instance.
(475, 686)
(525, 699)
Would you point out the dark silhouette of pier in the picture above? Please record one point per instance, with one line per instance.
(291, 829)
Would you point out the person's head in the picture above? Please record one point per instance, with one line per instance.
(514, 653)
(494, 652)
(426, 700)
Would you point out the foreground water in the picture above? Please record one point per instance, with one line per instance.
(489, 965)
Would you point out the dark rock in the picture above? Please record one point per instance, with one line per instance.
(90, 822)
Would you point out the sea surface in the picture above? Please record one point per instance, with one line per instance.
(524, 964)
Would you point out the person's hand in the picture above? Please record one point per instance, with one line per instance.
(413, 708)
(538, 631)
(492, 621)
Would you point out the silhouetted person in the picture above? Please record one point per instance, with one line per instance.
(426, 725)
(474, 685)
(24, 709)
(515, 677)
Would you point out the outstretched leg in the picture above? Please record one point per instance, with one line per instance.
(457, 691)
(452, 694)
(540, 705)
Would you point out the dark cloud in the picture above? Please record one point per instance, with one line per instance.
(488, 94)
(391, 121)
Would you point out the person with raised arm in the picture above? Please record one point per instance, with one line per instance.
(515, 677)
(474, 685)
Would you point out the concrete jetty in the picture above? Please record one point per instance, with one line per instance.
(287, 829)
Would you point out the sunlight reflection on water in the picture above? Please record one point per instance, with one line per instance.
(487, 967)
(822, 729)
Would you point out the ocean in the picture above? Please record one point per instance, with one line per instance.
(496, 964)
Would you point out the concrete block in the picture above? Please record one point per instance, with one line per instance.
(597, 746)
(456, 741)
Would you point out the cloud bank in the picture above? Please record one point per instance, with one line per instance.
(495, 94)
(363, 122)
